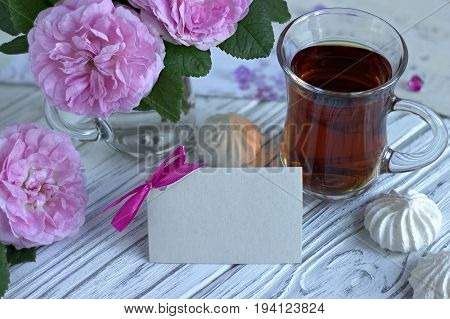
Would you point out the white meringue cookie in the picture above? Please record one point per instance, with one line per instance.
(403, 223)
(431, 277)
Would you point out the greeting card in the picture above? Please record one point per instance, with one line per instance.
(228, 216)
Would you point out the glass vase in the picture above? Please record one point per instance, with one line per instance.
(137, 133)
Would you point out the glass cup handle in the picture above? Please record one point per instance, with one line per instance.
(398, 162)
(55, 121)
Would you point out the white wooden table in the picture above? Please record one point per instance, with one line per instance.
(340, 259)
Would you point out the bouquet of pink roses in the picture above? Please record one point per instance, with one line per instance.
(97, 57)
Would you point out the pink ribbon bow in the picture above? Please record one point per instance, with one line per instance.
(167, 173)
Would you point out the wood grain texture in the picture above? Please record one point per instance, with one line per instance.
(340, 259)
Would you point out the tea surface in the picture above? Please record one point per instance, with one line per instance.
(341, 68)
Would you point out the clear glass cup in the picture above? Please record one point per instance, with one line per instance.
(140, 134)
(343, 156)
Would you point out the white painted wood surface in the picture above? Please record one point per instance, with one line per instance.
(340, 259)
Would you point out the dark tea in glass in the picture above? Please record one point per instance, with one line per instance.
(341, 67)
(338, 147)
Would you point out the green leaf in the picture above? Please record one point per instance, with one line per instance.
(53, 1)
(21, 256)
(4, 271)
(6, 23)
(254, 36)
(277, 10)
(187, 61)
(166, 96)
(24, 12)
(16, 46)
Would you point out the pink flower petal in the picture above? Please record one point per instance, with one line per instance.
(415, 83)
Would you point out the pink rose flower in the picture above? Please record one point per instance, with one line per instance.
(42, 194)
(201, 23)
(91, 58)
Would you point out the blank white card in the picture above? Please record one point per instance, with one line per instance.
(228, 216)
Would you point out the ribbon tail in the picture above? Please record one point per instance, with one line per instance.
(128, 211)
(119, 200)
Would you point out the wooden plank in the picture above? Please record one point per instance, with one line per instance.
(98, 262)
(13, 94)
(101, 263)
(97, 240)
(340, 260)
